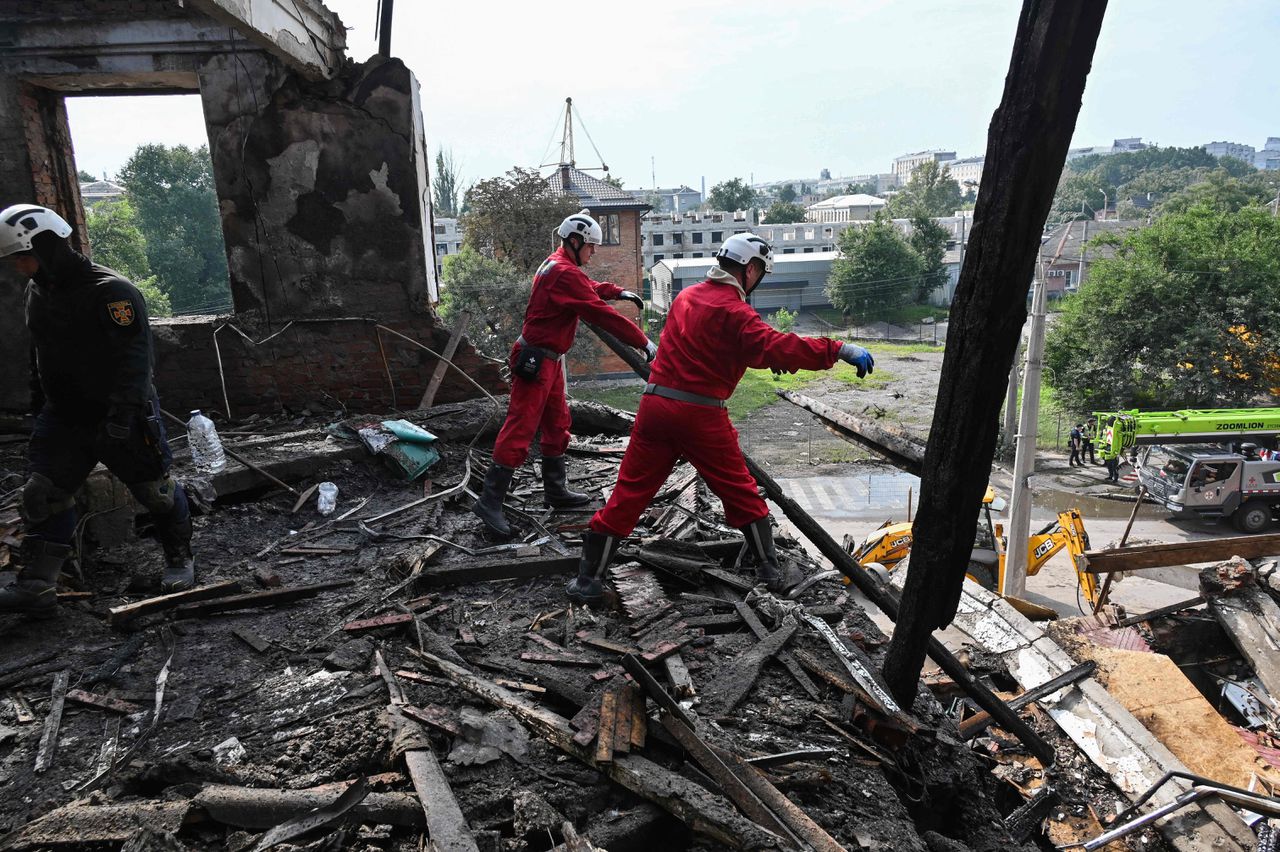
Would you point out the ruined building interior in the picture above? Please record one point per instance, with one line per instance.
(386, 678)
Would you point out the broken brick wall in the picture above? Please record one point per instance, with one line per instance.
(621, 265)
(316, 363)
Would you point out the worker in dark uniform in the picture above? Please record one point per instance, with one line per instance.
(561, 295)
(94, 359)
(711, 337)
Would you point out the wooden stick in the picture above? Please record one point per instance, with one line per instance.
(120, 614)
(459, 329)
(52, 722)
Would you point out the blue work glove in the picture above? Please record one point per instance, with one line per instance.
(852, 353)
(650, 351)
(627, 295)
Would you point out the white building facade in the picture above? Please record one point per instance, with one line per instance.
(906, 164)
(677, 236)
(448, 239)
(845, 208)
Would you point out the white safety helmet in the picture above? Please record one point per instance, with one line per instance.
(745, 248)
(583, 225)
(21, 222)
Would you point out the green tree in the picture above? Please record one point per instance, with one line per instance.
(784, 320)
(731, 195)
(877, 270)
(1221, 191)
(787, 194)
(116, 242)
(1182, 317)
(493, 290)
(931, 191)
(929, 241)
(1158, 171)
(177, 212)
(782, 211)
(85, 177)
(866, 187)
(446, 185)
(514, 217)
(614, 182)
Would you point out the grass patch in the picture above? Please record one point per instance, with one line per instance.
(912, 314)
(624, 395)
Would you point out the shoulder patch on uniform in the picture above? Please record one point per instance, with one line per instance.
(547, 266)
(121, 312)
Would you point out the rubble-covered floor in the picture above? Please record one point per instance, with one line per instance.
(285, 697)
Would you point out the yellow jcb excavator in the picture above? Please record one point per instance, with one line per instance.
(891, 543)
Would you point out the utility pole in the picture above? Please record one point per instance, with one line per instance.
(1015, 572)
(566, 138)
(1010, 410)
(384, 29)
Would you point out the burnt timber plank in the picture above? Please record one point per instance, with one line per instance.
(784, 657)
(103, 702)
(52, 721)
(1181, 553)
(735, 680)
(897, 446)
(126, 612)
(703, 811)
(257, 599)
(605, 729)
(446, 825)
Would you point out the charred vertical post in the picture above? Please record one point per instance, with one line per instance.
(1026, 148)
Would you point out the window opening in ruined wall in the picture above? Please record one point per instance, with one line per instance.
(151, 208)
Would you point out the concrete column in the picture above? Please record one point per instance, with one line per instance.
(1015, 574)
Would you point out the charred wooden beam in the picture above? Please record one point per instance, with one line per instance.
(1182, 553)
(1026, 148)
(896, 446)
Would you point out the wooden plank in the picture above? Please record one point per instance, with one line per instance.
(704, 812)
(639, 718)
(736, 679)
(480, 571)
(1251, 620)
(1182, 553)
(897, 446)
(731, 784)
(87, 826)
(253, 640)
(103, 702)
(258, 808)
(445, 823)
(30, 660)
(557, 660)
(785, 658)
(388, 619)
(605, 729)
(609, 645)
(126, 612)
(623, 710)
(442, 365)
(1161, 612)
(435, 716)
(52, 721)
(678, 676)
(251, 600)
(979, 721)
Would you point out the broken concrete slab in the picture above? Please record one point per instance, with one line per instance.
(1249, 615)
(1096, 722)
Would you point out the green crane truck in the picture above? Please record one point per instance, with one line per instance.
(1202, 462)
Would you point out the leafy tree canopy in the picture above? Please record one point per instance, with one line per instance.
(931, 191)
(731, 195)
(929, 241)
(787, 193)
(1182, 317)
(493, 290)
(1159, 171)
(172, 191)
(877, 270)
(781, 211)
(866, 187)
(116, 242)
(85, 177)
(514, 217)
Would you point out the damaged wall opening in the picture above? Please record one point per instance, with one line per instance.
(151, 210)
(319, 170)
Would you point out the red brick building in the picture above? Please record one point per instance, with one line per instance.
(619, 259)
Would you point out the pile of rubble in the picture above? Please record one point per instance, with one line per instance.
(385, 675)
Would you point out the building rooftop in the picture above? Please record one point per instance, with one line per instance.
(591, 191)
(1068, 249)
(781, 262)
(858, 200)
(924, 152)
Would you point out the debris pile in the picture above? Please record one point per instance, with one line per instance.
(364, 679)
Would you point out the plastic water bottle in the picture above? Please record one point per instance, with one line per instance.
(206, 448)
(328, 499)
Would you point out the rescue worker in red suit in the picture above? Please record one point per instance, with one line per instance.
(562, 294)
(712, 335)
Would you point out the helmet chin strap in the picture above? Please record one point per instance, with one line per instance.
(575, 250)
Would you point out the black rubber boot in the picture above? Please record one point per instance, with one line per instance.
(179, 563)
(489, 507)
(555, 485)
(36, 590)
(597, 551)
(760, 551)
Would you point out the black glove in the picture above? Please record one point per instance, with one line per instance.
(120, 421)
(627, 295)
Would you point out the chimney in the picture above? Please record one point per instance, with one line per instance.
(565, 183)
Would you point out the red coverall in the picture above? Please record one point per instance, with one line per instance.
(711, 337)
(562, 294)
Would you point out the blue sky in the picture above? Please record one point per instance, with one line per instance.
(719, 89)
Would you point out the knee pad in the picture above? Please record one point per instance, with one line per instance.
(157, 495)
(41, 499)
